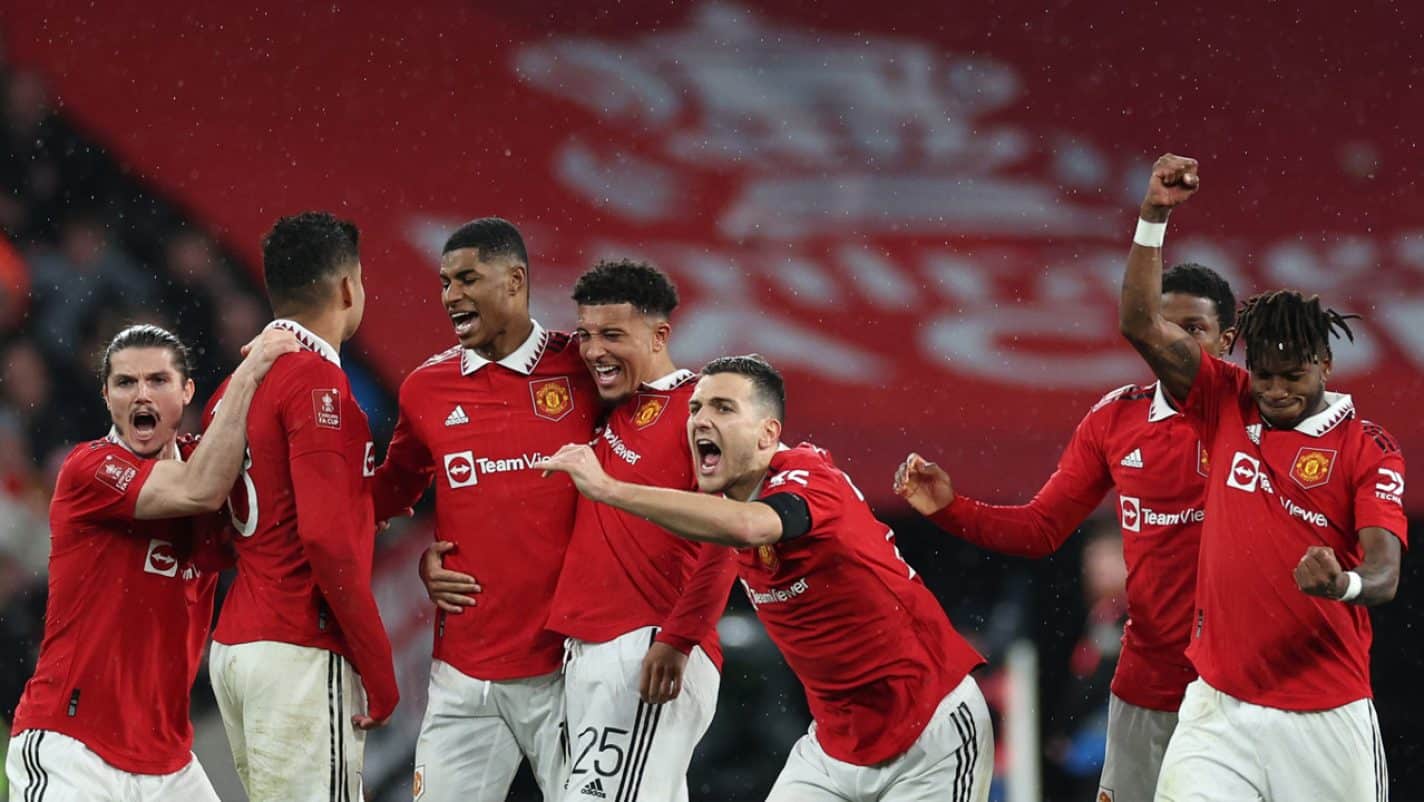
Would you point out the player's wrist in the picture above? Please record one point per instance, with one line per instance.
(1150, 233)
(1350, 584)
(1153, 213)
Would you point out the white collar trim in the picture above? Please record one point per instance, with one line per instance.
(1161, 408)
(521, 360)
(675, 379)
(308, 339)
(1339, 407)
(113, 437)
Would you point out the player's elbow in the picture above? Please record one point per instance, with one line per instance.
(1134, 324)
(754, 527)
(1386, 589)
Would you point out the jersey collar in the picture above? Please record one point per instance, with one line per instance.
(1339, 407)
(113, 437)
(521, 360)
(1161, 408)
(675, 379)
(308, 339)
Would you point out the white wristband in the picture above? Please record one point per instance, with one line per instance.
(1150, 235)
(1353, 589)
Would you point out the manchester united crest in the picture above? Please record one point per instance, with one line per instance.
(1312, 466)
(648, 409)
(553, 398)
(766, 555)
(1203, 461)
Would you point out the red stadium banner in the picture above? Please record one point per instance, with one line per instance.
(920, 215)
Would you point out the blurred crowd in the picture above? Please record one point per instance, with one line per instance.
(84, 251)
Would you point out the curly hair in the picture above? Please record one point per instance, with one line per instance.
(1201, 281)
(303, 250)
(624, 281)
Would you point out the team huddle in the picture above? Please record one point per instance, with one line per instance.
(594, 505)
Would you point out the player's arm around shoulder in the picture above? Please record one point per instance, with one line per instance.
(694, 516)
(200, 484)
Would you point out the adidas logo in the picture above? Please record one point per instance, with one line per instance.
(1133, 460)
(595, 789)
(457, 416)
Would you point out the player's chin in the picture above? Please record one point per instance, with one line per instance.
(711, 483)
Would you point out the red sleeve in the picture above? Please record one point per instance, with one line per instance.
(1379, 484)
(1217, 382)
(1039, 528)
(340, 560)
(406, 471)
(102, 484)
(329, 519)
(702, 600)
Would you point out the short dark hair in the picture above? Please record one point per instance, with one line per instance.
(1297, 327)
(1190, 278)
(146, 335)
(303, 250)
(493, 237)
(766, 380)
(625, 281)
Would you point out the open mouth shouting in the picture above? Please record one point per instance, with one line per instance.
(465, 322)
(709, 456)
(607, 376)
(143, 423)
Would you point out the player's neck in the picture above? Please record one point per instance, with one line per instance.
(328, 326)
(661, 367)
(507, 341)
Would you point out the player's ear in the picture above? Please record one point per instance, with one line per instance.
(1325, 365)
(348, 290)
(770, 433)
(188, 389)
(1227, 338)
(661, 331)
(518, 279)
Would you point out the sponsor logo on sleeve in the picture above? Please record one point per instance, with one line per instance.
(460, 469)
(1390, 486)
(116, 473)
(1106, 795)
(160, 559)
(648, 409)
(553, 398)
(1313, 467)
(1203, 460)
(326, 407)
(1245, 472)
(368, 465)
(417, 786)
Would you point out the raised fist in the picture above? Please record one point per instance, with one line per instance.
(1174, 179)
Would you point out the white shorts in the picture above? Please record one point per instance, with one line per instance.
(951, 761)
(287, 710)
(45, 765)
(621, 748)
(476, 732)
(1137, 739)
(1227, 750)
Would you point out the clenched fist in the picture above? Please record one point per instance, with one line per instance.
(1174, 179)
(1319, 574)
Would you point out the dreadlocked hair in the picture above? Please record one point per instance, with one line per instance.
(1288, 322)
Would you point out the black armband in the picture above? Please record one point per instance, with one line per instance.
(792, 510)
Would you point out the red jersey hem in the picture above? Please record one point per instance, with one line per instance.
(117, 758)
(503, 670)
(1313, 703)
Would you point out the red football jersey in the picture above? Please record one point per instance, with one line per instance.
(1133, 439)
(622, 572)
(305, 527)
(125, 622)
(477, 428)
(1273, 493)
(867, 639)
